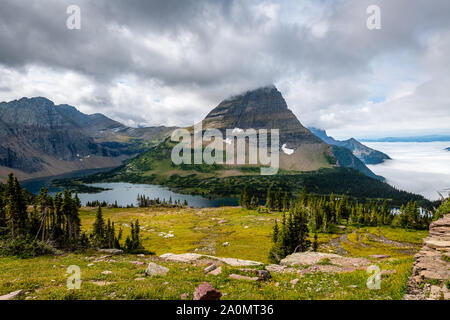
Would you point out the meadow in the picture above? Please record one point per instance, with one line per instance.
(205, 231)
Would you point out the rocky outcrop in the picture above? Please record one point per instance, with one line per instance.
(195, 257)
(324, 262)
(363, 152)
(431, 270)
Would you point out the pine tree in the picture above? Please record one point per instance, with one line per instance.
(315, 243)
(99, 228)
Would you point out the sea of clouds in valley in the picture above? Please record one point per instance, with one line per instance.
(422, 168)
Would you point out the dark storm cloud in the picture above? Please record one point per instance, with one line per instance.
(192, 53)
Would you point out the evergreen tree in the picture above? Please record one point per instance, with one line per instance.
(98, 233)
(315, 243)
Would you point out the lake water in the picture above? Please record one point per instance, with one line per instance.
(422, 168)
(419, 167)
(125, 193)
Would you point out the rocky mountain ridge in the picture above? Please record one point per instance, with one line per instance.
(363, 152)
(39, 138)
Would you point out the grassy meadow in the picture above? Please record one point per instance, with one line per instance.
(205, 231)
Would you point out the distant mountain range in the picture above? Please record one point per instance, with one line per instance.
(39, 138)
(428, 138)
(364, 153)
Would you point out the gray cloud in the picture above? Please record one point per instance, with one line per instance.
(169, 62)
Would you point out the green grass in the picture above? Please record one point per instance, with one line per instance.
(249, 235)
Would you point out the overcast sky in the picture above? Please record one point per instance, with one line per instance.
(148, 62)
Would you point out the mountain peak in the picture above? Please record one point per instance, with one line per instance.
(262, 108)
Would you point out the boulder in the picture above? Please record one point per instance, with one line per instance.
(206, 292)
(210, 268)
(154, 269)
(216, 272)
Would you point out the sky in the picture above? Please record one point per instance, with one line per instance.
(169, 62)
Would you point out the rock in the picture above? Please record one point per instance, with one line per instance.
(429, 265)
(337, 263)
(280, 269)
(237, 262)
(184, 257)
(380, 256)
(12, 295)
(141, 255)
(107, 272)
(111, 251)
(193, 257)
(154, 269)
(435, 292)
(216, 272)
(210, 268)
(239, 277)
(206, 292)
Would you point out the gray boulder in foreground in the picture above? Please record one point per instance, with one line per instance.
(154, 269)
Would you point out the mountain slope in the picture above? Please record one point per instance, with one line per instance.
(39, 139)
(364, 153)
(263, 108)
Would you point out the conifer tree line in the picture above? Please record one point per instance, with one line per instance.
(145, 202)
(323, 211)
(29, 222)
(312, 214)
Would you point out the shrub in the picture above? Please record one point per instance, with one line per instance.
(25, 248)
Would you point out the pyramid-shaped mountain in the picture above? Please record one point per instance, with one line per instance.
(263, 108)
